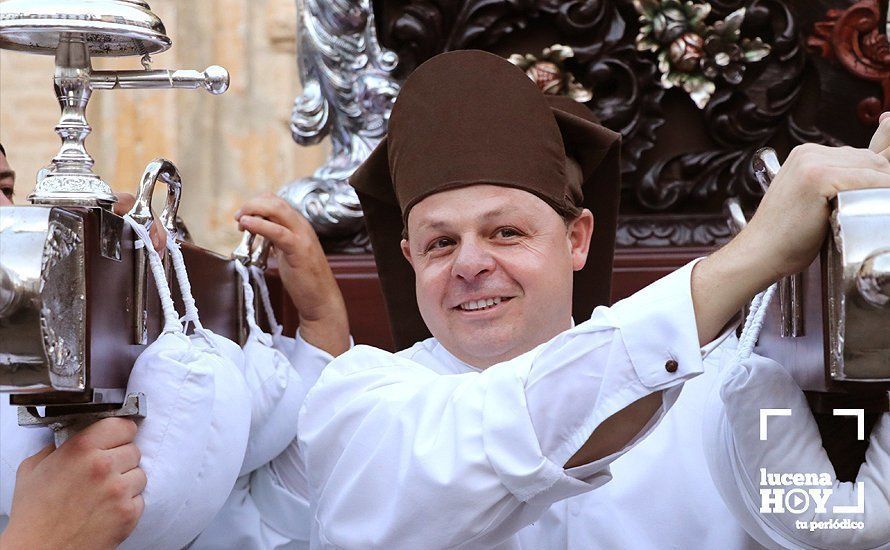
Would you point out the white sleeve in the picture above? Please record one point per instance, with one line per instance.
(287, 469)
(306, 358)
(398, 456)
(740, 465)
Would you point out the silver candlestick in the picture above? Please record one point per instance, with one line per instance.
(74, 31)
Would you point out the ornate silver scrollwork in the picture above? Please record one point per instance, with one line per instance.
(348, 93)
(42, 300)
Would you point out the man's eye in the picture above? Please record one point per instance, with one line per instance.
(440, 243)
(507, 232)
(8, 192)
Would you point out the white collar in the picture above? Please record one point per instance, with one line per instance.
(439, 352)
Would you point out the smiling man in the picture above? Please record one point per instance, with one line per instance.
(508, 235)
(504, 204)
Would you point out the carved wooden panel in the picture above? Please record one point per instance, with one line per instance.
(794, 71)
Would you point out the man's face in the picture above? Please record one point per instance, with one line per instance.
(494, 269)
(7, 182)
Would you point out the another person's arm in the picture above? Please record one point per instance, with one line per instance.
(273, 505)
(788, 229)
(85, 494)
(737, 456)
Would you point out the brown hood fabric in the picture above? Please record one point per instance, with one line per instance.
(470, 117)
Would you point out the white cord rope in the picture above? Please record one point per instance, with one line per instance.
(185, 288)
(754, 322)
(249, 312)
(171, 318)
(260, 279)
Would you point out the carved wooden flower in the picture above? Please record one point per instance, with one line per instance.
(663, 21)
(692, 54)
(686, 51)
(724, 59)
(549, 73)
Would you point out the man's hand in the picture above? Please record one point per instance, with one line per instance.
(786, 233)
(125, 202)
(85, 494)
(304, 270)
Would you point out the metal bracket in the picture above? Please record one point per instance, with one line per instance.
(111, 228)
(164, 170)
(765, 165)
(66, 425)
(791, 301)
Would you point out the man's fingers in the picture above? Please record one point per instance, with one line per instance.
(265, 206)
(278, 234)
(158, 237)
(135, 481)
(818, 158)
(881, 139)
(845, 179)
(125, 458)
(108, 433)
(125, 202)
(850, 157)
(138, 507)
(275, 209)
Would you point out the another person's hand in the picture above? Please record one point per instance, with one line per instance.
(85, 494)
(303, 268)
(789, 227)
(125, 202)
(792, 220)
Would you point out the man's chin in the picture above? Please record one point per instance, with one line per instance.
(484, 347)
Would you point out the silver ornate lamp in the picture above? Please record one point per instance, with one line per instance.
(68, 305)
(74, 31)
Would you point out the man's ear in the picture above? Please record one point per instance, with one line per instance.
(406, 251)
(579, 232)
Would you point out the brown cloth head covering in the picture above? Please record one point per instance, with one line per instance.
(470, 117)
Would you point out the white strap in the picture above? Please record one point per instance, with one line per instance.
(754, 322)
(260, 279)
(171, 318)
(249, 311)
(185, 287)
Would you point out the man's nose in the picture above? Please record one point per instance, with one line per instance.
(473, 259)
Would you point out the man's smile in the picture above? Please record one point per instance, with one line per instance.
(482, 304)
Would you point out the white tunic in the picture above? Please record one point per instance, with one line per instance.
(419, 450)
(671, 505)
